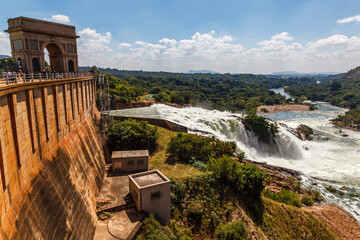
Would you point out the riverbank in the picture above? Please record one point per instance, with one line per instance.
(271, 109)
(331, 216)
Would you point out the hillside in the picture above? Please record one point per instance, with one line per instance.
(196, 214)
(343, 91)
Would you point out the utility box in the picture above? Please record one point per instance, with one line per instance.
(151, 193)
(129, 161)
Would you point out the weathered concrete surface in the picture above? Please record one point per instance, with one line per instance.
(123, 225)
(51, 160)
(115, 191)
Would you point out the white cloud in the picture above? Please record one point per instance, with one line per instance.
(124, 45)
(221, 53)
(4, 44)
(60, 18)
(355, 18)
(93, 47)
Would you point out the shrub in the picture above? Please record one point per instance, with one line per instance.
(317, 196)
(244, 177)
(131, 134)
(250, 180)
(307, 201)
(284, 196)
(190, 148)
(185, 148)
(200, 166)
(195, 211)
(152, 230)
(232, 231)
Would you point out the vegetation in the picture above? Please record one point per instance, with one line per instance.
(248, 179)
(232, 231)
(211, 204)
(264, 130)
(190, 148)
(351, 119)
(284, 196)
(235, 92)
(173, 169)
(131, 135)
(8, 64)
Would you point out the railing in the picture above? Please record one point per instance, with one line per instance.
(12, 78)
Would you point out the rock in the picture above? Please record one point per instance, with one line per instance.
(304, 132)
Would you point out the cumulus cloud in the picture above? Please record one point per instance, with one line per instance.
(93, 46)
(125, 45)
(60, 18)
(355, 18)
(221, 53)
(4, 44)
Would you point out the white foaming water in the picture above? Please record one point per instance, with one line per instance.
(336, 159)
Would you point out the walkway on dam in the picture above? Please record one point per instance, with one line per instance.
(16, 78)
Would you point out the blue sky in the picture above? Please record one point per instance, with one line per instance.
(257, 36)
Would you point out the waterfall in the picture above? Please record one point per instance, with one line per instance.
(335, 160)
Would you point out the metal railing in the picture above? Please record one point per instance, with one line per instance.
(12, 78)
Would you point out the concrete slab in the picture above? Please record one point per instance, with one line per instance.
(114, 191)
(149, 179)
(122, 225)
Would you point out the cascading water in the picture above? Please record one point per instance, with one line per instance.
(335, 161)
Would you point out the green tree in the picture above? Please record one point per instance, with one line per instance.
(131, 135)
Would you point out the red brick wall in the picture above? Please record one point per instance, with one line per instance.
(51, 160)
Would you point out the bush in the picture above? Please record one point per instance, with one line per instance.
(131, 134)
(185, 148)
(195, 211)
(232, 231)
(317, 196)
(284, 196)
(200, 166)
(190, 148)
(152, 230)
(246, 178)
(307, 201)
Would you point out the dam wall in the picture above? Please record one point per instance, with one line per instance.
(51, 159)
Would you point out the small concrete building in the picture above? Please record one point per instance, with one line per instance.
(129, 161)
(151, 193)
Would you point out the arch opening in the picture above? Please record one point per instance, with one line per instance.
(71, 66)
(55, 57)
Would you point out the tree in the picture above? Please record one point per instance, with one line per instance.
(132, 135)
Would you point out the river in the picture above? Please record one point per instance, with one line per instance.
(330, 160)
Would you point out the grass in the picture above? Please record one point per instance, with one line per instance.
(159, 159)
(282, 221)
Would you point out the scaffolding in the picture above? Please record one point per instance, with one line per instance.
(104, 98)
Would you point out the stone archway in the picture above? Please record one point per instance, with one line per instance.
(29, 37)
(56, 57)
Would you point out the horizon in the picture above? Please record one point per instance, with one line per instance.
(261, 37)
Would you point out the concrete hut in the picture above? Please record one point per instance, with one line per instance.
(129, 161)
(151, 193)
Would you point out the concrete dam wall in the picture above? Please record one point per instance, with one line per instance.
(51, 159)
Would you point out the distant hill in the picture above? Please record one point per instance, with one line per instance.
(4, 56)
(342, 91)
(201, 71)
(303, 74)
